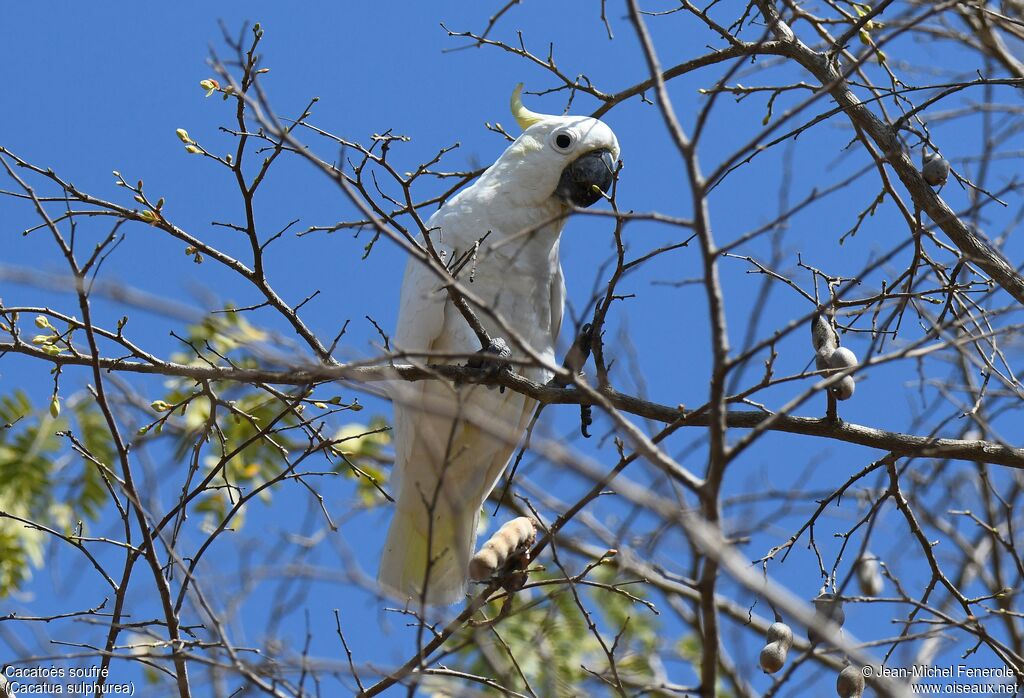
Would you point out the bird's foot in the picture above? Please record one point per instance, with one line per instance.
(494, 360)
(586, 419)
(577, 356)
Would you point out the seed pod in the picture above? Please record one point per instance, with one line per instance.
(823, 337)
(830, 606)
(773, 657)
(843, 390)
(842, 358)
(869, 575)
(821, 361)
(781, 633)
(935, 170)
(515, 535)
(850, 682)
(827, 608)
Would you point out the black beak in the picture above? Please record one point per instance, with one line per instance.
(576, 186)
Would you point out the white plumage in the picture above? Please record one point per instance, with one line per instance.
(452, 443)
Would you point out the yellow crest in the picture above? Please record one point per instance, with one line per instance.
(524, 117)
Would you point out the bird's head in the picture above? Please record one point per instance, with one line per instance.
(563, 157)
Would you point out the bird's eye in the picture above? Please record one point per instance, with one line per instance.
(563, 141)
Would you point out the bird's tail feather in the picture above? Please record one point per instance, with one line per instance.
(403, 567)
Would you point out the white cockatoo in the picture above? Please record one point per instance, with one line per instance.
(452, 442)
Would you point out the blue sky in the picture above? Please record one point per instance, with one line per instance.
(97, 87)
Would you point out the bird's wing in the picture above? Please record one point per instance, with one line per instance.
(421, 308)
(421, 324)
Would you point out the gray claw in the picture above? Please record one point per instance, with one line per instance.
(494, 359)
